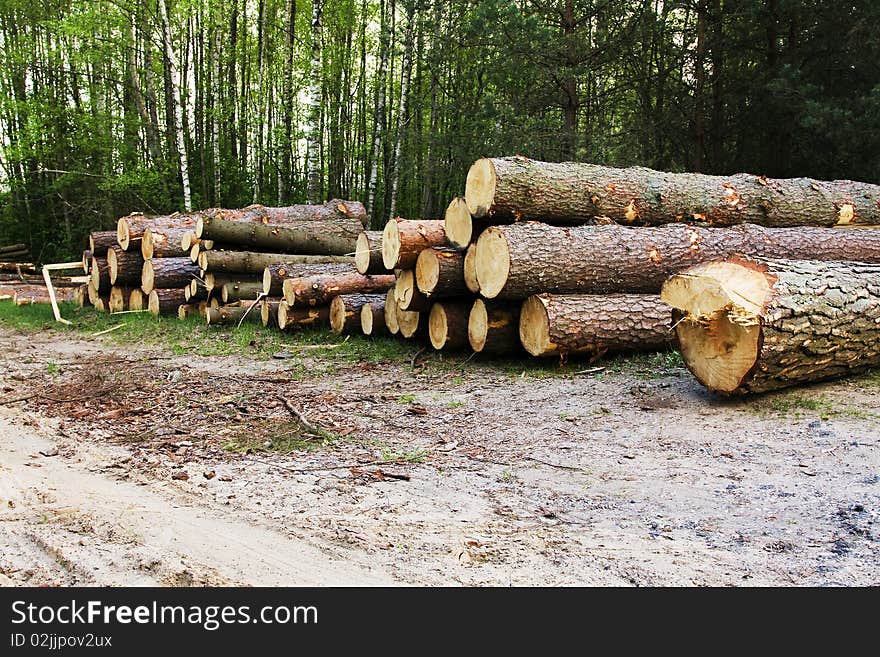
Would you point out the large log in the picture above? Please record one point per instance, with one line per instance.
(99, 275)
(493, 327)
(345, 311)
(373, 318)
(163, 301)
(187, 310)
(126, 267)
(290, 319)
(391, 311)
(593, 325)
(269, 311)
(516, 188)
(130, 230)
(331, 211)
(404, 239)
(167, 273)
(13, 248)
(319, 290)
(101, 240)
(368, 253)
(241, 291)
(440, 273)
(250, 262)
(746, 326)
(460, 227)
(22, 268)
(408, 296)
(448, 324)
(337, 237)
(25, 295)
(516, 261)
(275, 274)
(164, 242)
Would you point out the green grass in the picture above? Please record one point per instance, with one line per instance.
(413, 456)
(799, 405)
(278, 437)
(406, 399)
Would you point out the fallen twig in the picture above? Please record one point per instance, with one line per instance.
(311, 428)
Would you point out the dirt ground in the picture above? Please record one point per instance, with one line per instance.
(132, 467)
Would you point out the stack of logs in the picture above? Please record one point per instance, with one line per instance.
(20, 282)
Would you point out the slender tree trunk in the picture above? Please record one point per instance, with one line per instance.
(699, 85)
(313, 128)
(287, 146)
(405, 70)
(379, 114)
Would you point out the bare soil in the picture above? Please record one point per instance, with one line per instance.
(132, 467)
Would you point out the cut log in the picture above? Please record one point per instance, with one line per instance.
(80, 296)
(168, 273)
(241, 291)
(136, 299)
(164, 301)
(20, 269)
(373, 318)
(119, 299)
(368, 253)
(411, 323)
(460, 227)
(232, 315)
(448, 324)
(408, 296)
(25, 295)
(185, 310)
(158, 242)
(516, 188)
(440, 273)
(188, 239)
(214, 282)
(269, 311)
(516, 261)
(99, 275)
(275, 274)
(319, 290)
(87, 260)
(404, 239)
(748, 326)
(593, 325)
(126, 267)
(250, 262)
(12, 248)
(130, 230)
(101, 240)
(493, 327)
(337, 237)
(391, 312)
(290, 319)
(102, 303)
(345, 311)
(470, 270)
(332, 211)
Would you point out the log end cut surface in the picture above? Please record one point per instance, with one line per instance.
(362, 253)
(492, 262)
(718, 325)
(427, 271)
(458, 224)
(480, 187)
(390, 244)
(478, 325)
(122, 233)
(367, 319)
(438, 329)
(534, 327)
(391, 312)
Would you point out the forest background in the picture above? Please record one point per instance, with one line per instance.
(114, 106)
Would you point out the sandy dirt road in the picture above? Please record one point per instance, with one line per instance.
(168, 471)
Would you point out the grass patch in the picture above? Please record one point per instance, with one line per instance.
(798, 405)
(412, 456)
(276, 437)
(406, 399)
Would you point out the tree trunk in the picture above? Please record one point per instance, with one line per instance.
(407, 294)
(187, 310)
(126, 267)
(132, 228)
(214, 282)
(373, 317)
(516, 261)
(320, 289)
(748, 326)
(99, 242)
(593, 325)
(448, 325)
(136, 299)
(516, 188)
(338, 237)
(493, 327)
(165, 301)
(241, 291)
(345, 311)
(368, 253)
(379, 125)
(275, 274)
(167, 273)
(86, 262)
(440, 273)
(412, 323)
(313, 127)
(291, 319)
(159, 242)
(249, 262)
(402, 120)
(404, 239)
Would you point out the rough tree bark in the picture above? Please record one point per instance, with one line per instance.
(167, 273)
(338, 237)
(320, 289)
(448, 324)
(345, 311)
(165, 301)
(250, 262)
(493, 327)
(368, 253)
(404, 239)
(275, 274)
(440, 273)
(373, 318)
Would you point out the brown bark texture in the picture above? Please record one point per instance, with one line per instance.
(274, 275)
(319, 290)
(345, 311)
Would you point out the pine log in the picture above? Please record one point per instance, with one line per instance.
(167, 273)
(516, 261)
(214, 282)
(275, 274)
(10, 248)
(20, 268)
(748, 326)
(99, 275)
(332, 211)
(100, 241)
(516, 188)
(119, 299)
(408, 296)
(164, 301)
(440, 273)
(404, 239)
(345, 311)
(269, 311)
(593, 325)
(87, 260)
(130, 230)
(320, 289)
(470, 269)
(126, 267)
(92, 292)
(25, 295)
(448, 324)
(337, 237)
(164, 242)
(460, 226)
(373, 318)
(186, 310)
(195, 291)
(102, 303)
(241, 291)
(391, 312)
(290, 319)
(250, 262)
(493, 327)
(411, 323)
(136, 299)
(188, 239)
(368, 253)
(232, 315)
